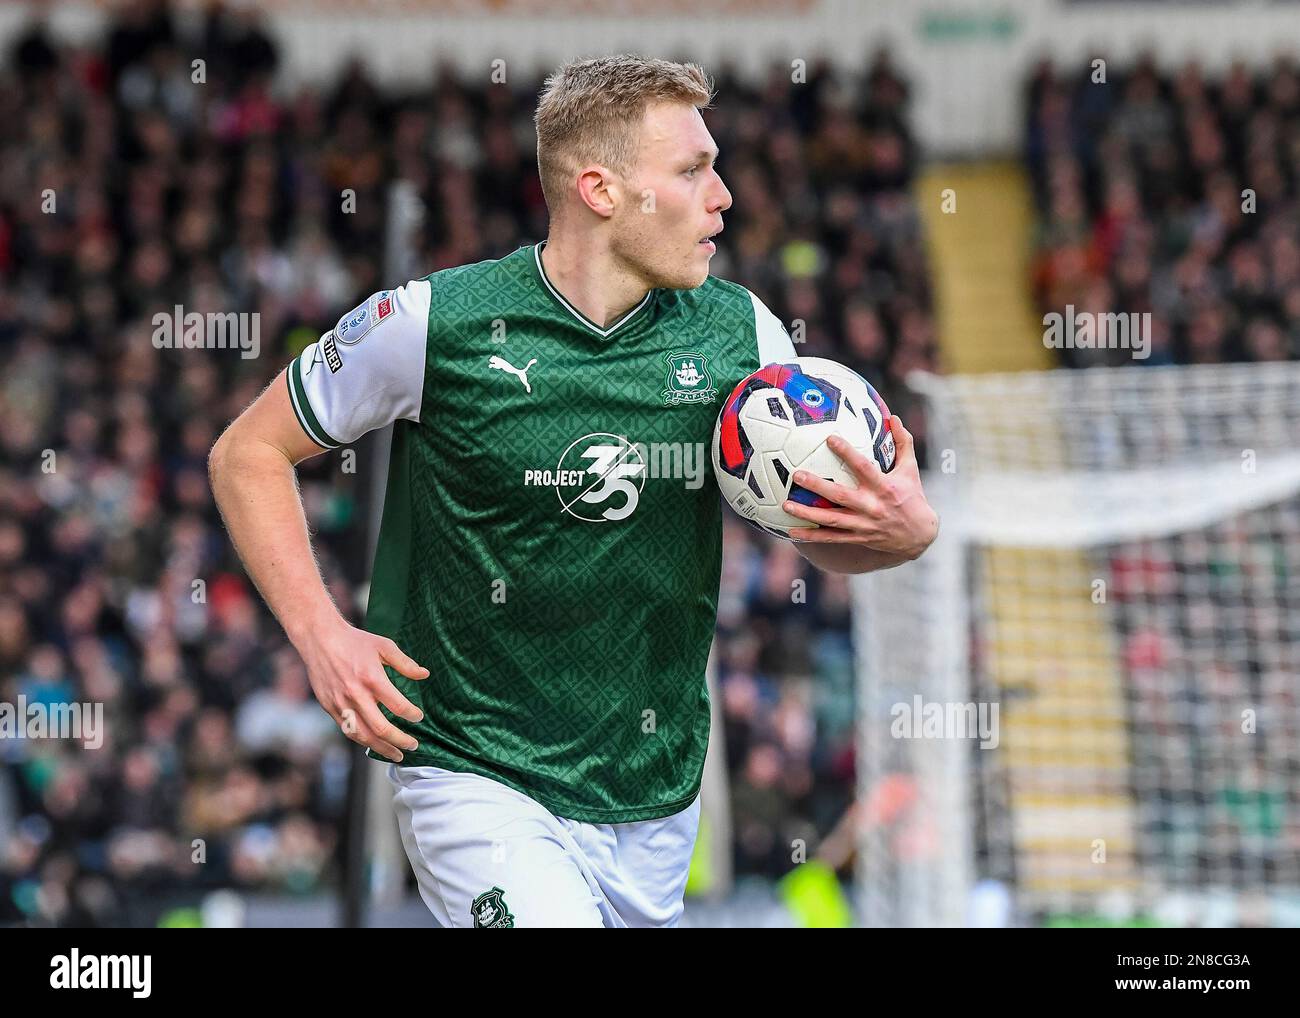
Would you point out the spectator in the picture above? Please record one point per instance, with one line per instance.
(117, 584)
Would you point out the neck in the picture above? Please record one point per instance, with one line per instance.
(591, 278)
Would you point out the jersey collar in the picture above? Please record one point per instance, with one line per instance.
(604, 333)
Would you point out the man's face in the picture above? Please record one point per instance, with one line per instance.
(672, 201)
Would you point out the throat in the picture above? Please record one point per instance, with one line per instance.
(594, 290)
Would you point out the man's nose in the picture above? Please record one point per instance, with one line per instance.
(722, 198)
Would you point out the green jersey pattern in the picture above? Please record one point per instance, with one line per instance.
(543, 551)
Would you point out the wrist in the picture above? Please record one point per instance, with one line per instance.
(304, 625)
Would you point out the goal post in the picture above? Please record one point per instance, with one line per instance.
(1080, 705)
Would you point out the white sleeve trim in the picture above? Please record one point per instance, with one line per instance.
(367, 371)
(774, 343)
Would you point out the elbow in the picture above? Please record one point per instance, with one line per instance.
(217, 457)
(924, 545)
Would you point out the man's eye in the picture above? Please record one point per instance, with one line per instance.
(691, 171)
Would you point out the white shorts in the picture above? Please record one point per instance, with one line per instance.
(487, 855)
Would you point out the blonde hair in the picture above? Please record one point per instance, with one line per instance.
(591, 111)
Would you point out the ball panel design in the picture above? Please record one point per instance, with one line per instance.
(777, 420)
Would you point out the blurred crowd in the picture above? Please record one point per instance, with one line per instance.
(1175, 194)
(128, 186)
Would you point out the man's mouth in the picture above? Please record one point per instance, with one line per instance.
(707, 241)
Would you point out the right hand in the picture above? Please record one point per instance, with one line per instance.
(345, 668)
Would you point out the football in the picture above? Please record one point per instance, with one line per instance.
(777, 421)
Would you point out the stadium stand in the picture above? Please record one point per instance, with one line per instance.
(1172, 193)
(227, 196)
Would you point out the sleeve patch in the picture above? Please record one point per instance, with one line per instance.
(353, 327)
(384, 376)
(331, 352)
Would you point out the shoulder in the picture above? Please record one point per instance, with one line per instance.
(489, 275)
(365, 372)
(723, 296)
(713, 295)
(403, 311)
(737, 310)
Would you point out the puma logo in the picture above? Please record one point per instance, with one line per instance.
(520, 373)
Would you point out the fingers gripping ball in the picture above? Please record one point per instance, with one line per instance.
(777, 421)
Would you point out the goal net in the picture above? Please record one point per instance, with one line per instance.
(1080, 706)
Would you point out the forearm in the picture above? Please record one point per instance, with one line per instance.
(256, 490)
(252, 472)
(849, 558)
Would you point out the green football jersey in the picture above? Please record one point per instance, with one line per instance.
(551, 538)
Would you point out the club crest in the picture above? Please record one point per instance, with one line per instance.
(490, 912)
(688, 380)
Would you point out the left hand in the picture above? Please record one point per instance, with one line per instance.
(887, 512)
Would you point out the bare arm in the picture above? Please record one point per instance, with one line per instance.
(251, 468)
(844, 558)
(252, 472)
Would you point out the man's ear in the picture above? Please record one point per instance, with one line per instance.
(598, 189)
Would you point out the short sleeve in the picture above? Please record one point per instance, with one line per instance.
(774, 344)
(367, 371)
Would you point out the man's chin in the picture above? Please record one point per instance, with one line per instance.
(688, 279)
